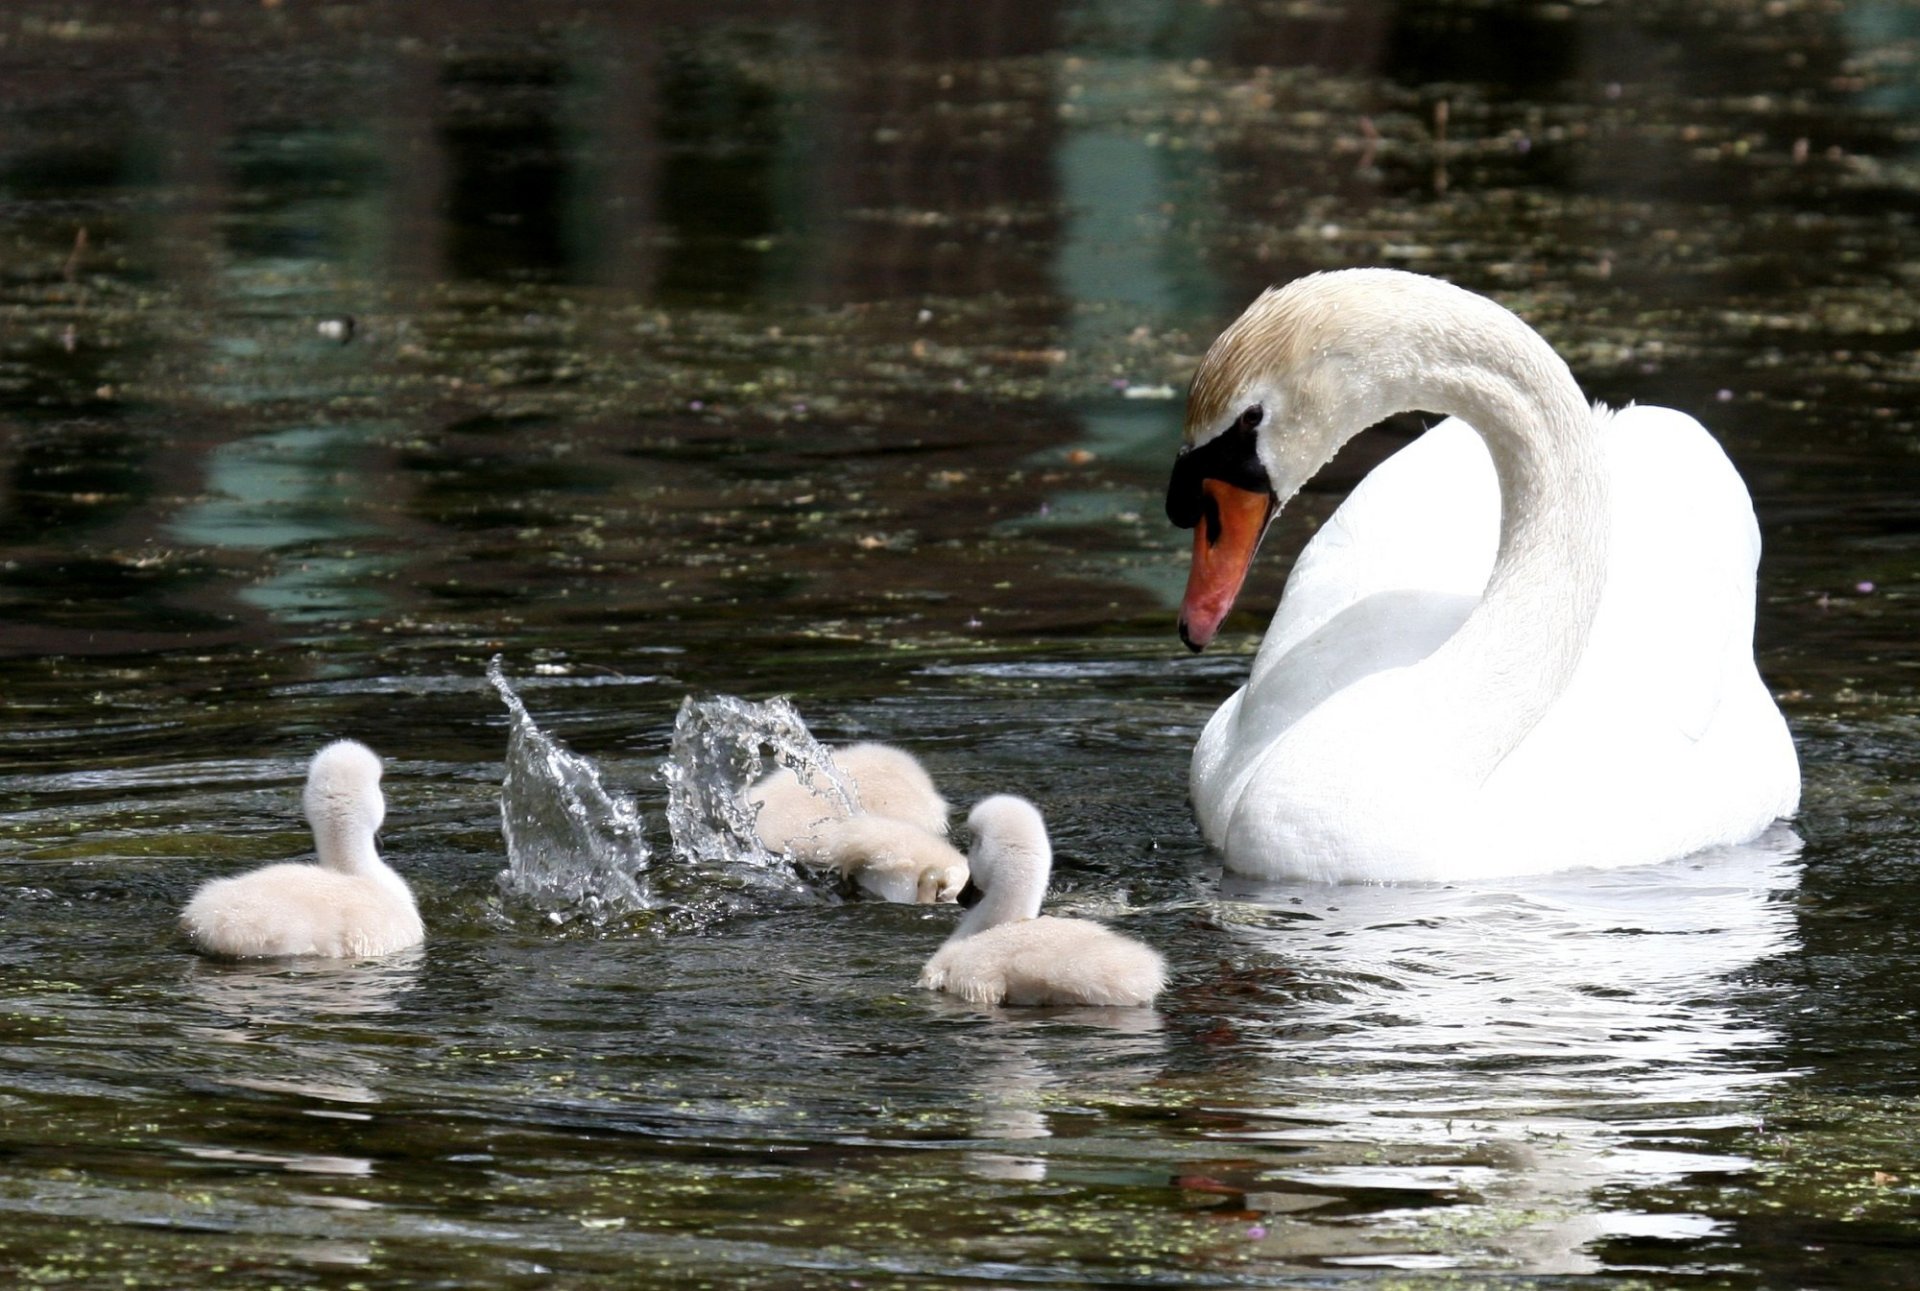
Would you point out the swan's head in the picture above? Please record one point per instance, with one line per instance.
(1011, 857)
(1305, 368)
(941, 883)
(343, 792)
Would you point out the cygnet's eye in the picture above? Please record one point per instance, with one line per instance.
(1251, 418)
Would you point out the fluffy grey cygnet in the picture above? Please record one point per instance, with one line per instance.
(1006, 952)
(349, 905)
(893, 844)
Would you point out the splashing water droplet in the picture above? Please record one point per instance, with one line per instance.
(720, 747)
(574, 849)
(578, 852)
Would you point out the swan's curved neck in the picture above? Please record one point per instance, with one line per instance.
(346, 846)
(1518, 649)
(1019, 885)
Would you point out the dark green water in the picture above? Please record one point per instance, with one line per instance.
(801, 349)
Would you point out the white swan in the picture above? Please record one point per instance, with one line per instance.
(1523, 649)
(790, 816)
(350, 905)
(1004, 951)
(893, 860)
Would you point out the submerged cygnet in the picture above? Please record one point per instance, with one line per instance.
(894, 836)
(893, 860)
(1006, 952)
(350, 905)
(885, 781)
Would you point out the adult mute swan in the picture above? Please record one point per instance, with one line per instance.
(351, 905)
(1005, 951)
(1523, 643)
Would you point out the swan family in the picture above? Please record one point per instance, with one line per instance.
(1523, 643)
(883, 825)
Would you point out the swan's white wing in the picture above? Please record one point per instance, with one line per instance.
(1666, 729)
(1388, 577)
(1675, 628)
(1426, 519)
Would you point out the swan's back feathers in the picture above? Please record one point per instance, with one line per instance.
(792, 816)
(1685, 549)
(1667, 722)
(296, 909)
(891, 782)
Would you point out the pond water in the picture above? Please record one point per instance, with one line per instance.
(670, 350)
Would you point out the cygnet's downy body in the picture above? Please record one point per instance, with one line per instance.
(893, 843)
(885, 781)
(349, 905)
(1006, 952)
(893, 860)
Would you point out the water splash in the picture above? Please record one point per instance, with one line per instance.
(575, 849)
(721, 746)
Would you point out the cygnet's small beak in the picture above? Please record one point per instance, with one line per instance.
(970, 895)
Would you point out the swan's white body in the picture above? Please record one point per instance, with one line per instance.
(350, 905)
(893, 860)
(1512, 651)
(1006, 952)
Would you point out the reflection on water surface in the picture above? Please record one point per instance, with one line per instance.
(745, 350)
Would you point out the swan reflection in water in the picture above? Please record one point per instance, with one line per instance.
(1528, 1049)
(1013, 1083)
(303, 989)
(292, 1034)
(288, 1027)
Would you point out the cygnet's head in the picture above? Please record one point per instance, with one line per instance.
(1011, 857)
(891, 782)
(343, 790)
(893, 859)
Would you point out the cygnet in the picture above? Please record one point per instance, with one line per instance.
(885, 781)
(351, 905)
(894, 860)
(1006, 952)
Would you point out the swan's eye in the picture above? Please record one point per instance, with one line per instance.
(1232, 457)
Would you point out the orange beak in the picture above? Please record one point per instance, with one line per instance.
(1224, 541)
